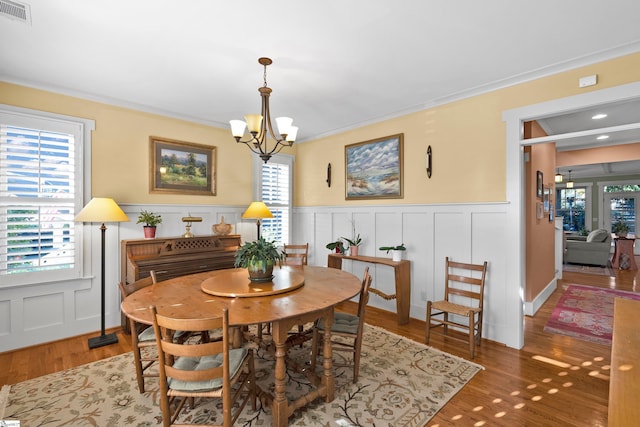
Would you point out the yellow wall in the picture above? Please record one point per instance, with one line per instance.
(120, 148)
(467, 138)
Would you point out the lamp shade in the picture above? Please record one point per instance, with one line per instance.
(558, 177)
(257, 210)
(101, 209)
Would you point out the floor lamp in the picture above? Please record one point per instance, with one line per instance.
(257, 210)
(102, 209)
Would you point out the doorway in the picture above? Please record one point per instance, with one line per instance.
(516, 143)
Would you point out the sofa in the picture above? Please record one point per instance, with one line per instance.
(594, 249)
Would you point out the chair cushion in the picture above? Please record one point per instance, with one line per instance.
(343, 322)
(147, 335)
(599, 235)
(236, 357)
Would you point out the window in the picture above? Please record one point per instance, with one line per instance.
(571, 206)
(275, 190)
(41, 163)
(621, 205)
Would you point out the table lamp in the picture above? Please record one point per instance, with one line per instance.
(258, 211)
(102, 209)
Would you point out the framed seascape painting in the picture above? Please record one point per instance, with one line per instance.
(373, 169)
(178, 167)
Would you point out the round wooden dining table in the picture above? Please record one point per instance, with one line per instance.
(322, 289)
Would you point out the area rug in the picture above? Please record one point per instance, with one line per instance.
(586, 312)
(401, 383)
(590, 269)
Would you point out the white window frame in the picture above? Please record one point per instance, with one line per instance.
(257, 190)
(81, 129)
(588, 198)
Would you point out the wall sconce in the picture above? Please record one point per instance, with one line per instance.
(189, 220)
(429, 168)
(329, 175)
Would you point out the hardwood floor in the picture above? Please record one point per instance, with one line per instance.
(553, 381)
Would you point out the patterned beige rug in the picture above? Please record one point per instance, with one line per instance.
(401, 383)
(590, 269)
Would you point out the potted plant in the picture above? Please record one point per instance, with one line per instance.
(354, 244)
(259, 258)
(396, 251)
(337, 246)
(150, 221)
(620, 228)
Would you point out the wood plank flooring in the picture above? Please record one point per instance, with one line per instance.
(553, 381)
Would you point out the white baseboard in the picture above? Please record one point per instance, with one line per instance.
(530, 308)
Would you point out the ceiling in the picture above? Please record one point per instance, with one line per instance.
(336, 64)
(579, 129)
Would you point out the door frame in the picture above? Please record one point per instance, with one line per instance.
(515, 179)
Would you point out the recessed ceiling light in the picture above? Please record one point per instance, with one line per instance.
(599, 116)
(601, 137)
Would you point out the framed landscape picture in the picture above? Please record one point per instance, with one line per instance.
(373, 169)
(178, 167)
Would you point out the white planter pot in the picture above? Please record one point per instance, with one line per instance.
(396, 255)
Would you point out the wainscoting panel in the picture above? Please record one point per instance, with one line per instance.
(430, 232)
(43, 311)
(5, 317)
(464, 232)
(35, 314)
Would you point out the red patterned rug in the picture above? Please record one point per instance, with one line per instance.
(586, 313)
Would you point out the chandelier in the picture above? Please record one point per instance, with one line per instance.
(259, 126)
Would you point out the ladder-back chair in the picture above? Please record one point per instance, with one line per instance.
(295, 254)
(202, 370)
(348, 326)
(463, 297)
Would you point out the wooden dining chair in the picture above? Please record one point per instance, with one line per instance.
(203, 370)
(142, 336)
(347, 326)
(463, 297)
(295, 254)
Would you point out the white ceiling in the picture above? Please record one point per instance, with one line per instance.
(337, 64)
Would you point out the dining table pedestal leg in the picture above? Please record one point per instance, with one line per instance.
(281, 408)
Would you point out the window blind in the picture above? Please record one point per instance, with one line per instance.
(276, 194)
(38, 191)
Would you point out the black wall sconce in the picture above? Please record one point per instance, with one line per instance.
(329, 175)
(429, 168)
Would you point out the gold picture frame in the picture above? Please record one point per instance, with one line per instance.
(374, 168)
(178, 167)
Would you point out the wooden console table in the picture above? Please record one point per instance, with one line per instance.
(624, 385)
(402, 270)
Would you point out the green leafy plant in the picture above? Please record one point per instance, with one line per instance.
(399, 247)
(620, 227)
(338, 244)
(149, 219)
(257, 251)
(356, 241)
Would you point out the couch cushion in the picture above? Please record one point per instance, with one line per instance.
(599, 235)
